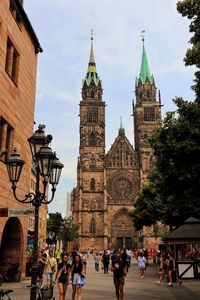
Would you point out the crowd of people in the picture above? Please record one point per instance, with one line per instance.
(63, 268)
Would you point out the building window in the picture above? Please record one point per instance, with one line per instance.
(6, 138)
(93, 227)
(148, 93)
(92, 114)
(149, 114)
(12, 61)
(92, 139)
(92, 184)
(92, 94)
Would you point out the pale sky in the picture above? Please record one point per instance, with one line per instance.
(63, 29)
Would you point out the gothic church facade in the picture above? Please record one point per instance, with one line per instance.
(108, 183)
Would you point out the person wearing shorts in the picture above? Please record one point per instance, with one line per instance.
(119, 272)
(50, 268)
(141, 263)
(62, 276)
(76, 272)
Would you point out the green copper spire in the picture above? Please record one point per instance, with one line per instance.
(145, 73)
(92, 75)
(92, 65)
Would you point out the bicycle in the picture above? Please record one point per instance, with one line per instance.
(43, 293)
(5, 292)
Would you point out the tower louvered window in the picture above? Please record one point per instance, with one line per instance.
(149, 114)
(92, 114)
(93, 227)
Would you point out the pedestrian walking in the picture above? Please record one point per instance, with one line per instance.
(119, 272)
(141, 260)
(171, 268)
(84, 261)
(62, 275)
(50, 268)
(163, 268)
(106, 261)
(125, 259)
(77, 277)
(97, 259)
(88, 253)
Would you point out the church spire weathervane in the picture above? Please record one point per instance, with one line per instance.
(92, 34)
(143, 36)
(92, 65)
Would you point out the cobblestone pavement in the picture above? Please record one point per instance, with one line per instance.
(99, 286)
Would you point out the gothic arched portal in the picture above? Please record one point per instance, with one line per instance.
(122, 232)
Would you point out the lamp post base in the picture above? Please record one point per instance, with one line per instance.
(34, 276)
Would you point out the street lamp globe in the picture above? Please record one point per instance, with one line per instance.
(14, 167)
(38, 140)
(44, 158)
(55, 172)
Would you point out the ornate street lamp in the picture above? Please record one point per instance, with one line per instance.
(55, 172)
(49, 168)
(14, 167)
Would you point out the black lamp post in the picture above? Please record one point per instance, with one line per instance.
(49, 168)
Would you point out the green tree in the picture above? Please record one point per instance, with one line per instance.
(191, 10)
(146, 208)
(53, 225)
(174, 182)
(68, 231)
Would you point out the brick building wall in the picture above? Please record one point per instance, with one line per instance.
(18, 63)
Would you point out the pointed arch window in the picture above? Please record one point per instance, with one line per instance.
(92, 139)
(92, 184)
(92, 94)
(93, 227)
(148, 93)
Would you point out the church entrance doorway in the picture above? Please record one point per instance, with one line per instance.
(119, 242)
(123, 242)
(122, 231)
(11, 245)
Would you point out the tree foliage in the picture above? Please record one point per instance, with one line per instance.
(53, 223)
(69, 231)
(61, 229)
(191, 10)
(146, 208)
(174, 183)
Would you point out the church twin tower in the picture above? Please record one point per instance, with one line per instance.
(108, 183)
